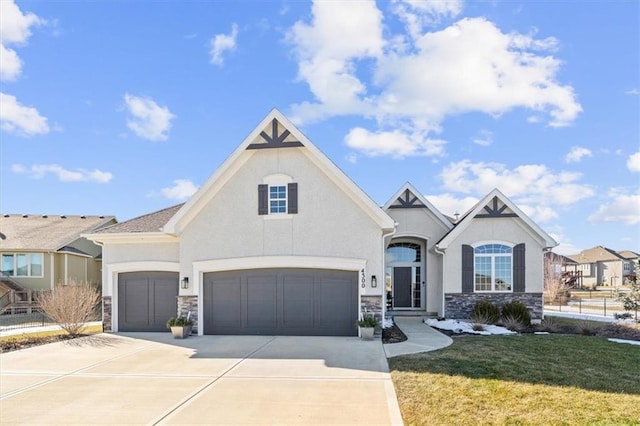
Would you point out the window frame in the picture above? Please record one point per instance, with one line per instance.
(492, 264)
(279, 189)
(29, 264)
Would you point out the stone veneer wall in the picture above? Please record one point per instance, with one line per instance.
(106, 313)
(188, 304)
(372, 305)
(460, 305)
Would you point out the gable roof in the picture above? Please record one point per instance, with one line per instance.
(283, 135)
(596, 254)
(409, 197)
(44, 232)
(495, 204)
(628, 254)
(151, 222)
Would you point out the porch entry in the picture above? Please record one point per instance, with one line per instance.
(405, 272)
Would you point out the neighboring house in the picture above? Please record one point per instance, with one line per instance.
(279, 241)
(603, 266)
(39, 251)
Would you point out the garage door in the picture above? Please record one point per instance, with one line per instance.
(285, 302)
(146, 300)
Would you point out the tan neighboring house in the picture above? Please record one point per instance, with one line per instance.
(603, 266)
(39, 251)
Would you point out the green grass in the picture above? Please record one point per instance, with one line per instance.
(525, 379)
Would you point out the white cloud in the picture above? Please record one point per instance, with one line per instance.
(353, 66)
(622, 207)
(565, 246)
(633, 163)
(536, 189)
(38, 171)
(19, 119)
(394, 143)
(416, 14)
(147, 119)
(483, 138)
(222, 43)
(181, 190)
(633, 91)
(576, 154)
(15, 30)
(449, 204)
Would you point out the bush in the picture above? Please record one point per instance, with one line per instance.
(368, 321)
(179, 322)
(71, 305)
(586, 327)
(512, 323)
(487, 311)
(550, 324)
(517, 311)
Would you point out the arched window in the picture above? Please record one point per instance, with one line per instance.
(493, 267)
(403, 252)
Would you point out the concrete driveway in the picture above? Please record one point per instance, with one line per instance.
(151, 378)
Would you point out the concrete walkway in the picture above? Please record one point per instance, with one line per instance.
(420, 338)
(150, 378)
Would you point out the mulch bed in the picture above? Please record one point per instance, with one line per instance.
(393, 335)
(27, 342)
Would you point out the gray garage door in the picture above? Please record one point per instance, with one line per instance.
(285, 302)
(146, 300)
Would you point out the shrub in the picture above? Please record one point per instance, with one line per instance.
(586, 327)
(487, 311)
(368, 321)
(71, 305)
(517, 311)
(179, 322)
(512, 323)
(478, 326)
(550, 324)
(623, 316)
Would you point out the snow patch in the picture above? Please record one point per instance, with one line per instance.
(387, 323)
(458, 326)
(630, 342)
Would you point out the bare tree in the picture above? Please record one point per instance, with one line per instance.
(71, 305)
(554, 285)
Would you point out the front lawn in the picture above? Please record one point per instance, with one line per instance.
(523, 379)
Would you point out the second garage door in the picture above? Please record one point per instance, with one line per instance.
(146, 300)
(289, 302)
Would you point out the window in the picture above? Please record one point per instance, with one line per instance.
(277, 199)
(278, 196)
(627, 267)
(493, 268)
(23, 264)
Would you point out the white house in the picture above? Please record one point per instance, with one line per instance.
(280, 241)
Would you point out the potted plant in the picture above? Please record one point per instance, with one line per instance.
(180, 326)
(367, 325)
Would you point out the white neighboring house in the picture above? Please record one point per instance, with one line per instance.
(602, 266)
(279, 241)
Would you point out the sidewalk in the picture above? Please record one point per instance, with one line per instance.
(420, 338)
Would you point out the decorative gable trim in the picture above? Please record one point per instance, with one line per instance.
(409, 197)
(526, 222)
(408, 201)
(493, 209)
(241, 155)
(275, 140)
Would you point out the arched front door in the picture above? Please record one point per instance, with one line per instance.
(405, 272)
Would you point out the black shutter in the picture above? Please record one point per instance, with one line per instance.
(292, 198)
(467, 269)
(518, 268)
(263, 199)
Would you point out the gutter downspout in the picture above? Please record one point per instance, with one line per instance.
(383, 275)
(444, 268)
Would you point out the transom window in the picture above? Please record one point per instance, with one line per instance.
(22, 264)
(493, 267)
(403, 252)
(277, 199)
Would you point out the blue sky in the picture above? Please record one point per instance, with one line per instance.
(123, 108)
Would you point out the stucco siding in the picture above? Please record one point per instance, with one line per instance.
(328, 223)
(140, 252)
(495, 230)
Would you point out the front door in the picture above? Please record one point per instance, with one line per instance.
(404, 281)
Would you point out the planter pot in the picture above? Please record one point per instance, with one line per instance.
(366, 333)
(180, 332)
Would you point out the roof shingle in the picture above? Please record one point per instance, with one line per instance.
(152, 222)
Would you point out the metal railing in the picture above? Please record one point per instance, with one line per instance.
(16, 318)
(592, 305)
